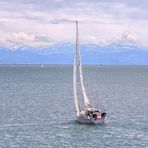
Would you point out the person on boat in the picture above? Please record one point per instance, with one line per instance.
(94, 116)
(88, 114)
(103, 114)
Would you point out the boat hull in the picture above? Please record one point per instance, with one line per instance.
(84, 120)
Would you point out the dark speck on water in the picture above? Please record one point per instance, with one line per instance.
(37, 107)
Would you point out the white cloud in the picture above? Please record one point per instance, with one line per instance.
(128, 38)
(101, 22)
(21, 40)
(22, 37)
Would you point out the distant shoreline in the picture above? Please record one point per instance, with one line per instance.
(91, 65)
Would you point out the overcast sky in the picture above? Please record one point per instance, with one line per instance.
(46, 22)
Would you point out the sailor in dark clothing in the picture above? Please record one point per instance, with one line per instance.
(103, 114)
(94, 115)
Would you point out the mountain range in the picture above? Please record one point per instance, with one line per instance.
(118, 54)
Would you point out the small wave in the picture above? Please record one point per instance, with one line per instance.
(16, 125)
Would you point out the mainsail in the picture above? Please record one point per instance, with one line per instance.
(75, 81)
(85, 96)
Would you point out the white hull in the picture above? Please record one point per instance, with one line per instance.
(82, 119)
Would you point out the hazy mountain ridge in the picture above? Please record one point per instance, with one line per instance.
(63, 54)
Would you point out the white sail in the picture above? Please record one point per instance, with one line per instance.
(88, 114)
(85, 96)
(75, 81)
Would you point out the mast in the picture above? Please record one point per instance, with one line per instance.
(75, 80)
(85, 96)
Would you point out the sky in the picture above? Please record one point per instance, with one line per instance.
(44, 23)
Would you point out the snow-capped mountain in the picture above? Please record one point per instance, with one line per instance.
(63, 54)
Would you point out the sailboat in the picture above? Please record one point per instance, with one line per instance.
(87, 114)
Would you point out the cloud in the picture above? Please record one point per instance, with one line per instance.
(21, 40)
(22, 37)
(67, 9)
(127, 37)
(101, 22)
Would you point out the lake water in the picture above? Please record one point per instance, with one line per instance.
(37, 107)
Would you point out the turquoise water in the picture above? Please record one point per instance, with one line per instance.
(37, 107)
